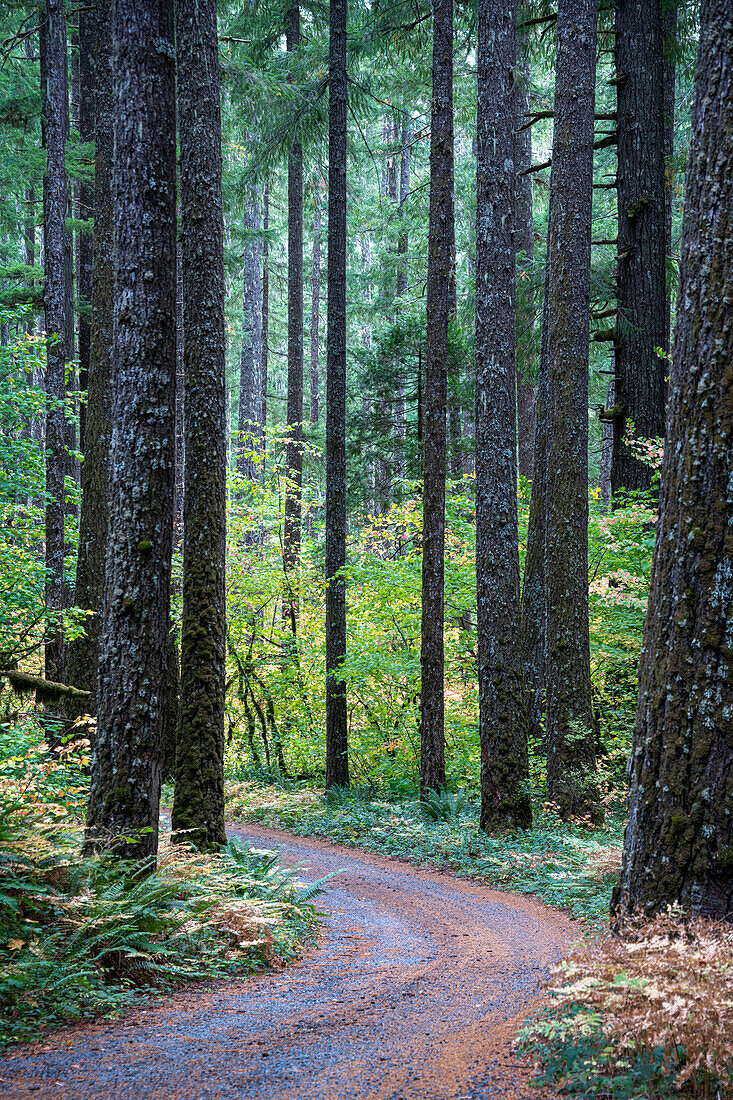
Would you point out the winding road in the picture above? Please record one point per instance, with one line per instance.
(417, 986)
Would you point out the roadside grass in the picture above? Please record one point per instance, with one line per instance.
(572, 867)
(84, 937)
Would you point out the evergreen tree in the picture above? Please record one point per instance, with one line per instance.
(94, 518)
(337, 760)
(55, 92)
(502, 712)
(639, 369)
(570, 742)
(198, 805)
(679, 837)
(294, 450)
(440, 306)
(128, 750)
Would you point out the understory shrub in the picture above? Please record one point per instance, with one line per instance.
(648, 1013)
(81, 937)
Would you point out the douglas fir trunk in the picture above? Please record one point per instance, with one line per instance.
(505, 801)
(55, 96)
(570, 745)
(679, 840)
(440, 288)
(128, 752)
(198, 806)
(94, 520)
(639, 371)
(337, 760)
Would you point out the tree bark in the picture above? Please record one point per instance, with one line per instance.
(669, 30)
(265, 321)
(294, 448)
(85, 244)
(315, 312)
(533, 622)
(198, 805)
(524, 244)
(403, 249)
(250, 384)
(55, 96)
(607, 449)
(440, 284)
(505, 801)
(95, 471)
(642, 297)
(128, 752)
(570, 745)
(679, 839)
(337, 760)
(368, 405)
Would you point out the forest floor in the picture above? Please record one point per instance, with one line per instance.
(416, 989)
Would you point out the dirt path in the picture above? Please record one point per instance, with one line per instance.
(415, 991)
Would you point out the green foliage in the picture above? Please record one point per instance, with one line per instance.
(84, 936)
(22, 495)
(444, 806)
(276, 702)
(570, 866)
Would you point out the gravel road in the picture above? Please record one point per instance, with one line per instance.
(416, 988)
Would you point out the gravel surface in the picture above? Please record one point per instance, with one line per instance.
(417, 986)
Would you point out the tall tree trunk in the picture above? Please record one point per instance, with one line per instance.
(315, 312)
(669, 30)
(533, 621)
(250, 384)
(265, 319)
(294, 449)
(95, 471)
(337, 747)
(198, 805)
(505, 801)
(440, 298)
(85, 247)
(403, 248)
(642, 298)
(679, 838)
(368, 405)
(570, 744)
(55, 95)
(384, 465)
(524, 243)
(128, 752)
(607, 449)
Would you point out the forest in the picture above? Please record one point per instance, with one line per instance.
(366, 489)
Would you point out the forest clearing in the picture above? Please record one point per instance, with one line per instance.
(366, 583)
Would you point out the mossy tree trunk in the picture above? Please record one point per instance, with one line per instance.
(524, 246)
(570, 741)
(250, 383)
(533, 619)
(83, 665)
(198, 805)
(440, 284)
(337, 745)
(505, 801)
(315, 410)
(55, 105)
(128, 752)
(679, 839)
(639, 372)
(292, 530)
(265, 318)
